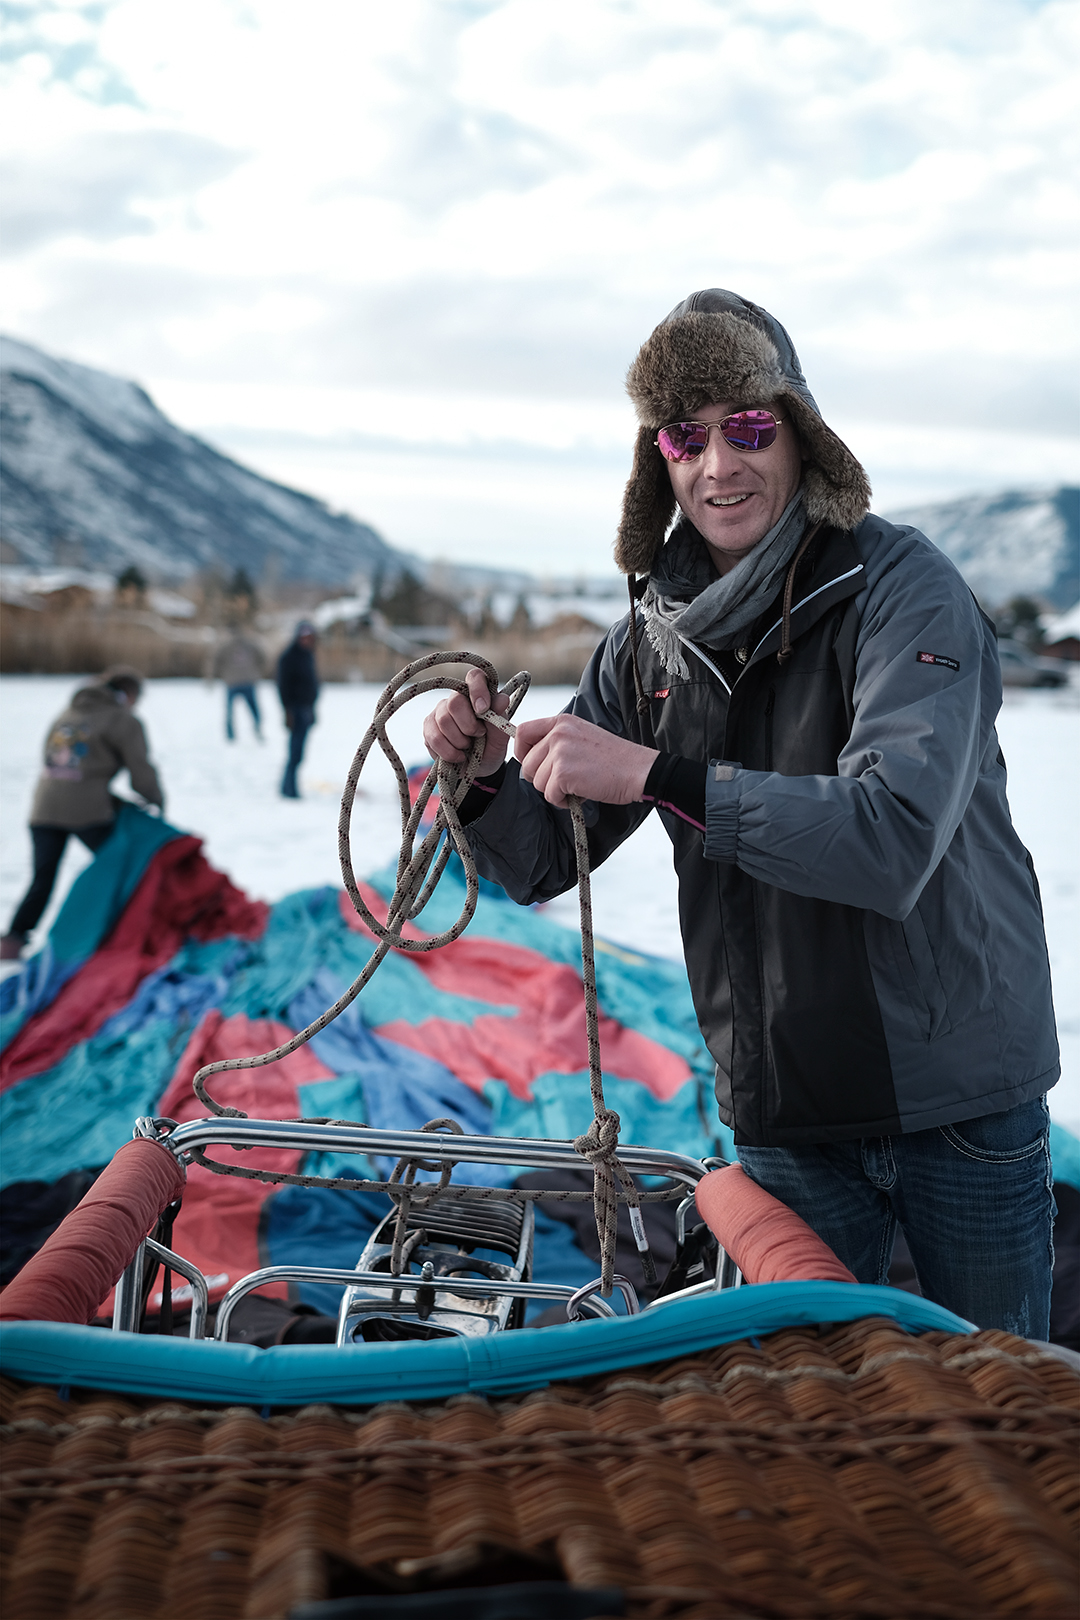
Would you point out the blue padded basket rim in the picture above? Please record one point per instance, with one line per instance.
(60, 1353)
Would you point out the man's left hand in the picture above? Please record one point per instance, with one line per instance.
(565, 754)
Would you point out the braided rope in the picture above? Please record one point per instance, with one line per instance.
(506, 1195)
(418, 872)
(600, 1142)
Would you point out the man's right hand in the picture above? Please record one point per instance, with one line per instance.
(451, 726)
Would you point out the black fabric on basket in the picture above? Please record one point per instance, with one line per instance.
(659, 1228)
(30, 1212)
(531, 1600)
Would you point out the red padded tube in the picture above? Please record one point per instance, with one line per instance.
(767, 1241)
(69, 1277)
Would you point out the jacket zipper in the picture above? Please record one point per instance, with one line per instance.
(707, 661)
(694, 648)
(839, 580)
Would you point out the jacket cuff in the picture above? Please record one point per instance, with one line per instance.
(722, 795)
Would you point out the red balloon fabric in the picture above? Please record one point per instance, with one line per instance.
(180, 895)
(546, 1033)
(69, 1277)
(219, 1226)
(767, 1241)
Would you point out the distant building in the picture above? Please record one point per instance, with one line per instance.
(1062, 635)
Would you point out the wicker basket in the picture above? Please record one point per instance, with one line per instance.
(843, 1471)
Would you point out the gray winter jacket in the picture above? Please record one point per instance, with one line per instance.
(862, 926)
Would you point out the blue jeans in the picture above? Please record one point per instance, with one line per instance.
(303, 718)
(974, 1199)
(247, 692)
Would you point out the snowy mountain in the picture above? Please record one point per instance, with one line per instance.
(92, 473)
(1020, 543)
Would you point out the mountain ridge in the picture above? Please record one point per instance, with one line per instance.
(93, 474)
(91, 469)
(1017, 542)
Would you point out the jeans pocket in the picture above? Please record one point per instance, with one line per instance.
(1014, 1134)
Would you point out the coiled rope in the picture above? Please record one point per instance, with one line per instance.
(419, 869)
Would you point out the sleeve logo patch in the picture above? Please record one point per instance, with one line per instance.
(662, 693)
(937, 658)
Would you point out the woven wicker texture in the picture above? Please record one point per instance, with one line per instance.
(845, 1471)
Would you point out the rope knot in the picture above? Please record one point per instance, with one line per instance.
(600, 1142)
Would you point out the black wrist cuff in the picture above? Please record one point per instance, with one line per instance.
(678, 784)
(479, 797)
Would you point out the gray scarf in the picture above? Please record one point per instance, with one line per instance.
(685, 600)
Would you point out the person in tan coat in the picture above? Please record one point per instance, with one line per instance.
(96, 736)
(239, 663)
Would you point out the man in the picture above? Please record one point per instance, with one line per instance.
(96, 736)
(298, 686)
(807, 695)
(239, 663)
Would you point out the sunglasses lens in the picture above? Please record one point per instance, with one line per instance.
(743, 430)
(750, 430)
(682, 441)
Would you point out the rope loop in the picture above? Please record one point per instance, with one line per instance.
(420, 866)
(407, 1195)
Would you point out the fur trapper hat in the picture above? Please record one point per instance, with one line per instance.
(716, 346)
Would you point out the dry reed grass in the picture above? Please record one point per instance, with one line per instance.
(71, 634)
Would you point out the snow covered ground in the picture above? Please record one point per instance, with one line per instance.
(227, 793)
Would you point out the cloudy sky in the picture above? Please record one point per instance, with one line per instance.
(401, 255)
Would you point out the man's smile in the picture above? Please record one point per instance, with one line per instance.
(728, 500)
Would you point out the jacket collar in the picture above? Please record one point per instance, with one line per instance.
(831, 571)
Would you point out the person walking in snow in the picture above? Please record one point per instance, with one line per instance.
(807, 694)
(96, 736)
(298, 688)
(239, 663)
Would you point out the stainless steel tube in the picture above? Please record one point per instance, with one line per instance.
(200, 1294)
(128, 1295)
(530, 1152)
(382, 1280)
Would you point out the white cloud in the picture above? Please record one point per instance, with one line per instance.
(105, 186)
(461, 204)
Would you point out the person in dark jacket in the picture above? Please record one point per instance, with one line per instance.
(96, 736)
(807, 695)
(298, 688)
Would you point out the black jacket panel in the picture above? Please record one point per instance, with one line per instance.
(860, 921)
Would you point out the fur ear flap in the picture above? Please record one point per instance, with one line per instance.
(837, 488)
(648, 507)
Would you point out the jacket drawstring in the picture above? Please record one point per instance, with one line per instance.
(642, 700)
(646, 729)
(789, 590)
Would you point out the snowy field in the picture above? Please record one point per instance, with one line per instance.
(227, 793)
